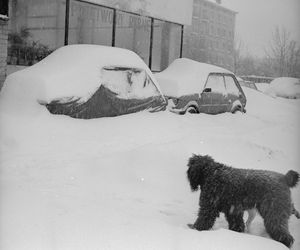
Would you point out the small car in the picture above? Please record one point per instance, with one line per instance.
(89, 81)
(196, 87)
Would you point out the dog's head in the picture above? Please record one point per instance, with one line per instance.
(199, 167)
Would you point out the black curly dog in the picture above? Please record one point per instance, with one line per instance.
(232, 191)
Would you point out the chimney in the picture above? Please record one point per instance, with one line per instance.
(218, 1)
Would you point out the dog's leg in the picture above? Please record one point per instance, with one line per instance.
(251, 216)
(295, 211)
(297, 214)
(235, 221)
(276, 215)
(206, 218)
(278, 230)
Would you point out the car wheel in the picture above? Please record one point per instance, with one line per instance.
(237, 109)
(191, 110)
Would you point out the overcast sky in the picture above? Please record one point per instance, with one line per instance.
(256, 19)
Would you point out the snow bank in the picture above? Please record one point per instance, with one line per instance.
(113, 183)
(70, 71)
(120, 183)
(185, 76)
(286, 87)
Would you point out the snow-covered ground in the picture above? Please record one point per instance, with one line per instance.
(262, 86)
(120, 183)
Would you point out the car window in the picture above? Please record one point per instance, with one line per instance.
(216, 83)
(128, 83)
(231, 86)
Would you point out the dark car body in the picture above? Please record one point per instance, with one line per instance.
(114, 97)
(213, 90)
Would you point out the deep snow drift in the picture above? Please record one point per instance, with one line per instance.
(120, 183)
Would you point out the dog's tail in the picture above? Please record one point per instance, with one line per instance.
(292, 178)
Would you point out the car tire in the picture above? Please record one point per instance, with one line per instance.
(237, 109)
(191, 110)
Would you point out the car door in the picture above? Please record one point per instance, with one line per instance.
(233, 93)
(212, 99)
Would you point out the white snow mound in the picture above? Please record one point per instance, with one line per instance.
(287, 87)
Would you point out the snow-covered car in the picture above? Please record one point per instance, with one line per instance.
(286, 87)
(89, 81)
(196, 87)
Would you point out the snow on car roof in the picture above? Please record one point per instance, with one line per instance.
(73, 70)
(185, 76)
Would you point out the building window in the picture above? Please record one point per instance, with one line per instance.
(202, 43)
(36, 29)
(196, 10)
(4, 7)
(196, 25)
(90, 24)
(133, 33)
(166, 44)
(204, 14)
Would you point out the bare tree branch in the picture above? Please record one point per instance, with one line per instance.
(283, 54)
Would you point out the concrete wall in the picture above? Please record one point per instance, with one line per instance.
(3, 49)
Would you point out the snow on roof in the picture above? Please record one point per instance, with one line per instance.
(224, 4)
(185, 76)
(73, 70)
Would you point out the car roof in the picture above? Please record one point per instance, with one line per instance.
(185, 76)
(75, 70)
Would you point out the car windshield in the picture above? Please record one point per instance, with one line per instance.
(128, 82)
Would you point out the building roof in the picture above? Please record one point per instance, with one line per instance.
(222, 5)
(169, 10)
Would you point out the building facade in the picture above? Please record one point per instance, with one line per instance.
(152, 29)
(210, 37)
(3, 40)
(159, 31)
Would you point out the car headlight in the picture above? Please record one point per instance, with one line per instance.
(175, 100)
(172, 102)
